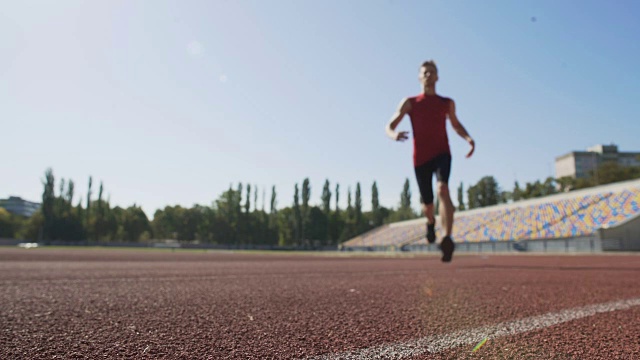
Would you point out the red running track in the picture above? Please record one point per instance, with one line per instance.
(157, 304)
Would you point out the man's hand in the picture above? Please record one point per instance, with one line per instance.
(401, 136)
(457, 126)
(473, 147)
(390, 129)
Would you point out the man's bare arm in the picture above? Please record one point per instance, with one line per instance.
(403, 109)
(457, 126)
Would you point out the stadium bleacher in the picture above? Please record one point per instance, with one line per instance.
(560, 216)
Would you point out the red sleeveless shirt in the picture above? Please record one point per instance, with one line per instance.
(429, 122)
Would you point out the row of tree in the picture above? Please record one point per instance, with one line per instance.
(487, 192)
(234, 218)
(59, 219)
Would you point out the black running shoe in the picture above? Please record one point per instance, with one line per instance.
(431, 233)
(447, 246)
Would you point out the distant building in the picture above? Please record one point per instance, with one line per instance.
(582, 164)
(19, 206)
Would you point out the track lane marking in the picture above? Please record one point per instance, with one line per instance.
(438, 343)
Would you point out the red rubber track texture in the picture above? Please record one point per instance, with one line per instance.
(88, 304)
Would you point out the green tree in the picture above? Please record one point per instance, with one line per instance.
(297, 215)
(473, 201)
(505, 197)
(485, 193)
(69, 218)
(247, 224)
(306, 196)
(70, 192)
(404, 212)
(358, 221)
(48, 203)
(531, 190)
(207, 228)
(165, 225)
(255, 198)
(227, 217)
(539, 189)
(88, 211)
(461, 197)
(238, 200)
(190, 223)
(549, 186)
(317, 229)
(348, 228)
(405, 196)
(134, 223)
(272, 208)
(375, 205)
(99, 221)
(110, 221)
(60, 221)
(326, 210)
(240, 225)
(566, 183)
(247, 204)
(336, 223)
(286, 227)
(61, 191)
(7, 224)
(326, 197)
(33, 228)
(610, 172)
(517, 192)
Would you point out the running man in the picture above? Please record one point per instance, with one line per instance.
(431, 154)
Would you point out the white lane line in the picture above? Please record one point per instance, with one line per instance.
(437, 343)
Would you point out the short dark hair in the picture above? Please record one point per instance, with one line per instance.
(429, 63)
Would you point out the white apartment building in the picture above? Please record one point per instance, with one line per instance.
(582, 164)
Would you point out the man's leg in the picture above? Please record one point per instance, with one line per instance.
(424, 176)
(446, 207)
(430, 234)
(428, 210)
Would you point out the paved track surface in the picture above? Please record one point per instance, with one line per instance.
(77, 304)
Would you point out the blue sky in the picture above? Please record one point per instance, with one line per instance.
(169, 102)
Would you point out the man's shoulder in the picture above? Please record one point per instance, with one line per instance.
(445, 99)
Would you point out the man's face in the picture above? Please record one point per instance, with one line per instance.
(428, 75)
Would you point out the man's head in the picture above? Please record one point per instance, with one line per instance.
(428, 74)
